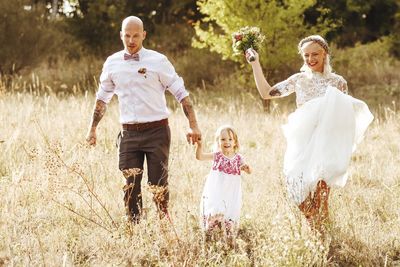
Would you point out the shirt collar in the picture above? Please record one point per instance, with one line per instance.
(140, 52)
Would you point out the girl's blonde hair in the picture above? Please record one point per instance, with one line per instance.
(231, 131)
(324, 44)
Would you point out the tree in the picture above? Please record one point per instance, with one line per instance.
(395, 36)
(26, 35)
(281, 21)
(360, 21)
(97, 22)
(54, 8)
(51, 8)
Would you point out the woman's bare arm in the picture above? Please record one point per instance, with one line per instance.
(264, 88)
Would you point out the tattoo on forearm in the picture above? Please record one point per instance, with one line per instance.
(189, 112)
(274, 92)
(98, 113)
(186, 110)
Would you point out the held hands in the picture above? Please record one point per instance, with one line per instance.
(193, 136)
(245, 168)
(251, 53)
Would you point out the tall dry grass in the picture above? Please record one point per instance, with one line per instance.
(61, 201)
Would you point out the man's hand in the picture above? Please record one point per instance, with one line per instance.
(193, 136)
(99, 110)
(91, 137)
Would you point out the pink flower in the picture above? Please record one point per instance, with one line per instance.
(143, 71)
(238, 37)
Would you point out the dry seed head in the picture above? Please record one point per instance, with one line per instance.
(52, 164)
(56, 147)
(33, 153)
(132, 172)
(76, 167)
(159, 192)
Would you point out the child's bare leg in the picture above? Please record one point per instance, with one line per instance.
(230, 229)
(213, 224)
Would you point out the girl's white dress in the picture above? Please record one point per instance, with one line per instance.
(322, 133)
(222, 193)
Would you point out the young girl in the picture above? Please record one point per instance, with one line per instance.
(222, 196)
(323, 131)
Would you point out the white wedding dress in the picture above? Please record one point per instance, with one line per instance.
(322, 133)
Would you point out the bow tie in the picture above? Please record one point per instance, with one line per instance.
(134, 57)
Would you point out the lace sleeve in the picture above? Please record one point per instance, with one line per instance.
(285, 87)
(342, 86)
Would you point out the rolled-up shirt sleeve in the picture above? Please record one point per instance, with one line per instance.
(106, 86)
(172, 81)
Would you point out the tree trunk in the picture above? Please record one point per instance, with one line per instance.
(54, 9)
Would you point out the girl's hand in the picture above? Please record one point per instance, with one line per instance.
(249, 53)
(245, 168)
(198, 143)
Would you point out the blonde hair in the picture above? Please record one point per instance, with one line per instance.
(324, 45)
(230, 131)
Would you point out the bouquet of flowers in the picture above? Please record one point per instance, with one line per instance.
(246, 38)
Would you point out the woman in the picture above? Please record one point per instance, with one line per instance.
(323, 131)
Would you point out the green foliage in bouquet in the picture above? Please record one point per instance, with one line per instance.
(247, 37)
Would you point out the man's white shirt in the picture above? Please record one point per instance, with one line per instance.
(140, 85)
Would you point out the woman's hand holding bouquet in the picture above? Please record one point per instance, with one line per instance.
(247, 41)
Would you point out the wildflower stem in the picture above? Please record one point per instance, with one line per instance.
(78, 173)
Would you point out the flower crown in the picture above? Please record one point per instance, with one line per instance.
(315, 38)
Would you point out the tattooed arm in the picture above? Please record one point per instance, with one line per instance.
(98, 113)
(194, 134)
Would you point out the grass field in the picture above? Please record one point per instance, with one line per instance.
(61, 201)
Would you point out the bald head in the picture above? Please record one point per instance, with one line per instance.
(132, 20)
(132, 34)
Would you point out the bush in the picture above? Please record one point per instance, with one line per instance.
(395, 37)
(27, 36)
(198, 67)
(368, 64)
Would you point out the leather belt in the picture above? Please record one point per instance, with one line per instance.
(145, 125)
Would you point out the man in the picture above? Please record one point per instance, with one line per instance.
(139, 77)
